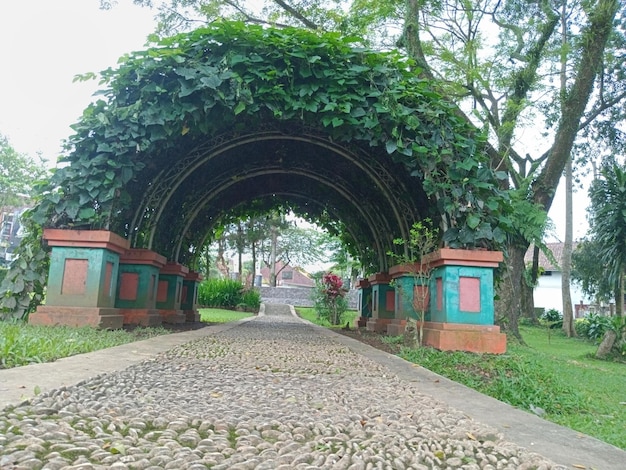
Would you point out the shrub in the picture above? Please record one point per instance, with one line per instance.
(593, 326)
(553, 318)
(220, 293)
(329, 299)
(251, 299)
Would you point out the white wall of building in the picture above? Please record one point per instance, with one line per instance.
(547, 294)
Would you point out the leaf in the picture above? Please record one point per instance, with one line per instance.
(473, 221)
(239, 108)
(391, 146)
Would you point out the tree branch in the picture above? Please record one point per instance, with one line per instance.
(297, 15)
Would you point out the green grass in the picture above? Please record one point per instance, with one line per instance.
(554, 373)
(22, 344)
(218, 315)
(309, 313)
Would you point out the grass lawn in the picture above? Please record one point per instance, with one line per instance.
(218, 315)
(309, 313)
(22, 344)
(553, 375)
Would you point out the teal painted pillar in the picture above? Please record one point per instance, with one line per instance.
(364, 302)
(169, 292)
(463, 289)
(462, 302)
(383, 302)
(82, 280)
(189, 300)
(411, 299)
(138, 285)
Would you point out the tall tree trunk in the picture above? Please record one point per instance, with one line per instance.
(566, 259)
(619, 297)
(509, 304)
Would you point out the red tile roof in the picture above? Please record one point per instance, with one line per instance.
(544, 262)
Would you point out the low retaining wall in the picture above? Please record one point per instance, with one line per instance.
(298, 296)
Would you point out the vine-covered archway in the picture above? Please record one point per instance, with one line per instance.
(209, 121)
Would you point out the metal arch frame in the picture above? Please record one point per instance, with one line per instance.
(215, 191)
(197, 157)
(288, 194)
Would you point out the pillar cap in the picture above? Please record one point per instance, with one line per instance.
(194, 276)
(379, 278)
(86, 239)
(143, 256)
(175, 269)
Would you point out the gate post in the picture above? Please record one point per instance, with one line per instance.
(137, 288)
(383, 302)
(364, 302)
(82, 279)
(189, 301)
(461, 302)
(169, 292)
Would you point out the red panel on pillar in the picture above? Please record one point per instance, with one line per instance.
(162, 291)
(75, 276)
(108, 274)
(421, 298)
(390, 300)
(128, 286)
(469, 294)
(439, 293)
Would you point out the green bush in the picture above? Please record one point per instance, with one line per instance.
(553, 318)
(251, 299)
(3, 273)
(329, 299)
(593, 326)
(227, 293)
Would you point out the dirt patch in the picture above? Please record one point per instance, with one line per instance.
(372, 339)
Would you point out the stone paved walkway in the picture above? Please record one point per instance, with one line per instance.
(271, 393)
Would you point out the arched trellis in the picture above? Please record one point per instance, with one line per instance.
(390, 147)
(378, 196)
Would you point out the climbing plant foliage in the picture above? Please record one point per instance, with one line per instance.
(232, 76)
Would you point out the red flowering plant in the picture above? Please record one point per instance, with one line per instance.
(330, 301)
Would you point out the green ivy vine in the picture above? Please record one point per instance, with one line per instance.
(231, 74)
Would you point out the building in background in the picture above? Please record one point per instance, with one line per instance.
(547, 294)
(11, 233)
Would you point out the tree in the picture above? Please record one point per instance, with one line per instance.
(290, 245)
(589, 272)
(607, 220)
(18, 176)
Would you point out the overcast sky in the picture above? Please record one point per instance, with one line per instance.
(45, 43)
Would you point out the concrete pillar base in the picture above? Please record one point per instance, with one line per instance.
(464, 337)
(172, 316)
(97, 317)
(379, 325)
(396, 327)
(191, 316)
(141, 316)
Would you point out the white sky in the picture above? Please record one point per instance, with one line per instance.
(45, 43)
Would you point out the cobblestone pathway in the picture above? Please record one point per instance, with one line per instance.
(271, 393)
